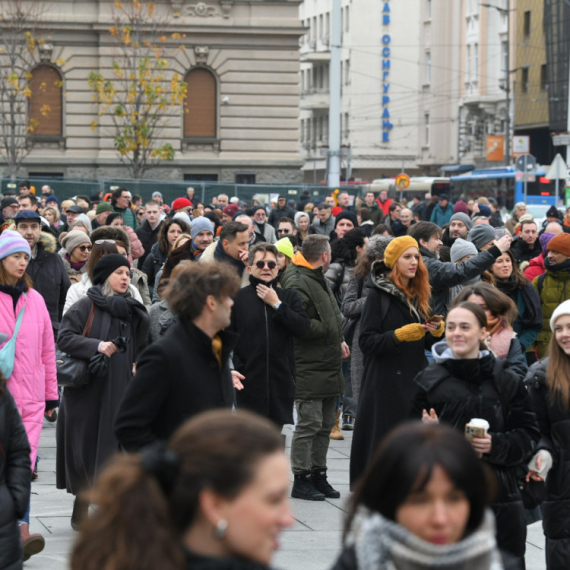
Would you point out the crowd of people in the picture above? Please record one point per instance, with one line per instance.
(197, 331)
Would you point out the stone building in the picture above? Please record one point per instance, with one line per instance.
(241, 63)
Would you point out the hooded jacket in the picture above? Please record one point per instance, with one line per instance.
(317, 354)
(485, 388)
(49, 277)
(441, 216)
(554, 423)
(554, 290)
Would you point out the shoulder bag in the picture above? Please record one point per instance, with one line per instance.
(8, 351)
(72, 372)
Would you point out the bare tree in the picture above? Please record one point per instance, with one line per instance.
(19, 45)
(142, 91)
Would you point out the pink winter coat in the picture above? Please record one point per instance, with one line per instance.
(137, 249)
(535, 267)
(34, 379)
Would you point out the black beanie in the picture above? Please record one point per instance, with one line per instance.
(107, 265)
(346, 216)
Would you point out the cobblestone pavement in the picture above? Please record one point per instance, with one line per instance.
(313, 543)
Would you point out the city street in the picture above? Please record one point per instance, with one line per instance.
(313, 543)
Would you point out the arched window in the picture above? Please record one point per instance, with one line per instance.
(45, 106)
(200, 106)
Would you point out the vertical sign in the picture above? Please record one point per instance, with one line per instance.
(386, 67)
(495, 148)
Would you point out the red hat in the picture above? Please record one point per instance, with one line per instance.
(336, 211)
(180, 203)
(231, 210)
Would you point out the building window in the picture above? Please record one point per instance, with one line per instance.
(526, 24)
(309, 131)
(302, 130)
(46, 102)
(321, 26)
(346, 126)
(346, 20)
(476, 62)
(426, 132)
(543, 78)
(428, 67)
(328, 23)
(428, 9)
(468, 66)
(347, 72)
(524, 80)
(504, 59)
(245, 178)
(201, 105)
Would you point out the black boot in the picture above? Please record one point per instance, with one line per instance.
(303, 488)
(321, 484)
(79, 514)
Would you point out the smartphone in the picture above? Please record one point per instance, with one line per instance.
(472, 431)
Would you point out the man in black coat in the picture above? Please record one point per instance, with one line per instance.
(187, 370)
(148, 232)
(527, 246)
(268, 319)
(46, 267)
(282, 211)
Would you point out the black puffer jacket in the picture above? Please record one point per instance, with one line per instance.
(153, 264)
(554, 424)
(14, 480)
(522, 252)
(485, 388)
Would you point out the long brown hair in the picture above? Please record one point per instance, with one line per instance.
(418, 289)
(497, 302)
(141, 517)
(558, 374)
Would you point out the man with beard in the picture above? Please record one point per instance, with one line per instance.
(443, 276)
(268, 319)
(459, 226)
(553, 286)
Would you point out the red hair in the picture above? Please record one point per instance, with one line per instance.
(418, 288)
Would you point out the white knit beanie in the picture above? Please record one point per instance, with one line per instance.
(562, 309)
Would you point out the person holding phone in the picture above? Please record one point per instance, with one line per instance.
(394, 334)
(466, 382)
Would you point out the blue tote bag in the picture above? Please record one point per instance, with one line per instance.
(8, 351)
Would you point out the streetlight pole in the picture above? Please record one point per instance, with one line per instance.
(507, 11)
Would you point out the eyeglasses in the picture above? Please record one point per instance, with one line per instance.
(100, 241)
(283, 231)
(85, 248)
(261, 264)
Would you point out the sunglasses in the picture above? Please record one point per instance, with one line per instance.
(283, 231)
(85, 247)
(261, 264)
(100, 241)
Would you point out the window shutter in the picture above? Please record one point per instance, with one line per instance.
(200, 105)
(45, 104)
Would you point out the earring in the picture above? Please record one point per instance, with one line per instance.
(220, 530)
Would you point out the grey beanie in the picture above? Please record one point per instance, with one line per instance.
(462, 248)
(83, 219)
(201, 224)
(461, 217)
(74, 239)
(481, 235)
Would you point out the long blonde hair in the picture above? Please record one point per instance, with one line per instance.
(558, 374)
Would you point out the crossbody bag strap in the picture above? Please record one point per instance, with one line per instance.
(89, 323)
(19, 321)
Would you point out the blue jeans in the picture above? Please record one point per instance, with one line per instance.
(26, 517)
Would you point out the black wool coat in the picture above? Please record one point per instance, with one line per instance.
(148, 238)
(388, 388)
(265, 352)
(554, 424)
(178, 376)
(85, 437)
(14, 480)
(459, 390)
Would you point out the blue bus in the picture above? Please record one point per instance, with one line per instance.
(500, 183)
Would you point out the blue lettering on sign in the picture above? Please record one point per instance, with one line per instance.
(386, 67)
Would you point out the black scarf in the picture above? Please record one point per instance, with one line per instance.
(508, 287)
(14, 291)
(556, 267)
(254, 281)
(221, 255)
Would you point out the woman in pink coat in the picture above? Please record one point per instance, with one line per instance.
(33, 382)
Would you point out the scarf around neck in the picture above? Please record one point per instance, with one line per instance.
(255, 282)
(385, 545)
(221, 255)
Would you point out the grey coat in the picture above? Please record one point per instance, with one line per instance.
(85, 437)
(337, 278)
(322, 229)
(160, 316)
(268, 232)
(352, 307)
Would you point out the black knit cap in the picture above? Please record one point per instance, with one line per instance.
(107, 265)
(346, 215)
